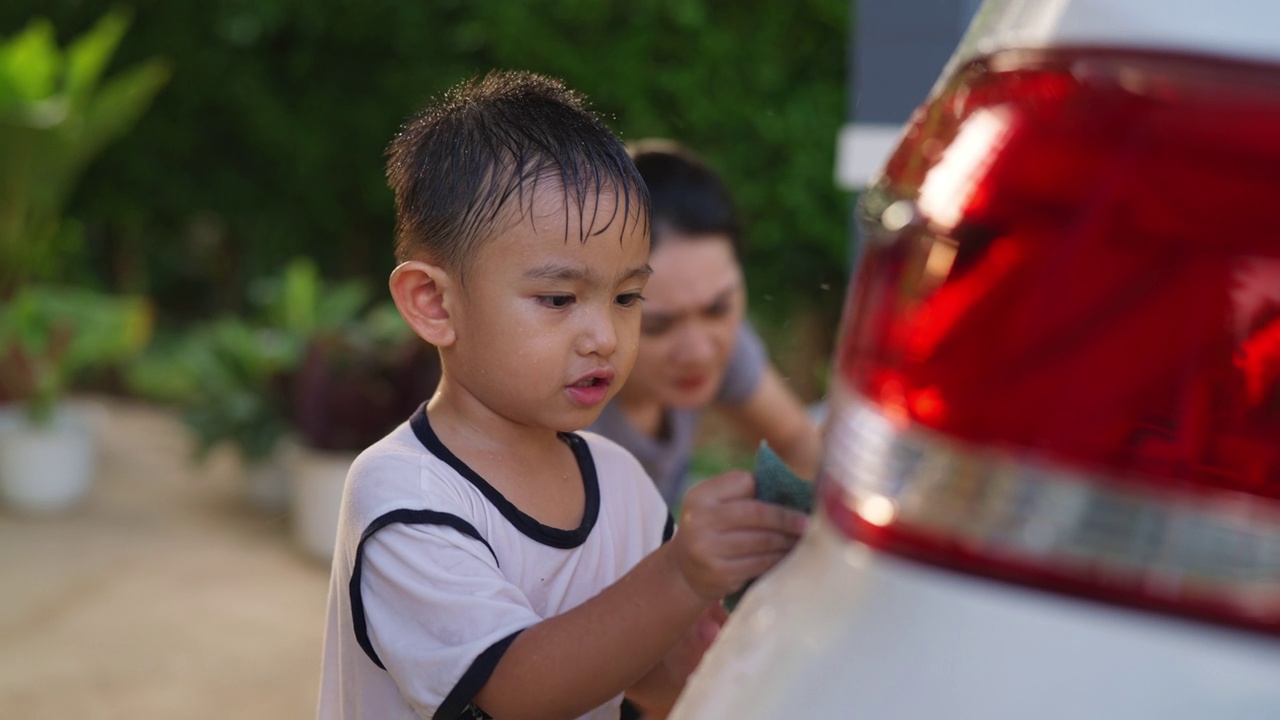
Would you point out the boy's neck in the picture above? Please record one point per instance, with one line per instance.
(529, 465)
(464, 423)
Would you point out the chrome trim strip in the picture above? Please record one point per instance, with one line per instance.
(1205, 545)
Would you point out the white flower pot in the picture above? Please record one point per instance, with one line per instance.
(46, 470)
(316, 480)
(266, 484)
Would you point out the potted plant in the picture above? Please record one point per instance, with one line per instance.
(229, 379)
(231, 376)
(312, 377)
(362, 372)
(50, 336)
(56, 113)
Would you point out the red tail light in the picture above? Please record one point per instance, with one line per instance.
(1060, 362)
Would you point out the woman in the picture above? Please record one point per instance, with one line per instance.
(696, 348)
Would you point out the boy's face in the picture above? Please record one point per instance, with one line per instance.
(547, 325)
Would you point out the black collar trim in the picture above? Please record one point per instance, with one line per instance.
(545, 534)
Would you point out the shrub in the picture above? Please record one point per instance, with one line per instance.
(268, 143)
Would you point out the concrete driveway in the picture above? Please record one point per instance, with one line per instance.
(165, 596)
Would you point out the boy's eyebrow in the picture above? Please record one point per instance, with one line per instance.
(576, 273)
(556, 271)
(642, 272)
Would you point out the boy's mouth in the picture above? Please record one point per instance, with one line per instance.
(595, 378)
(592, 388)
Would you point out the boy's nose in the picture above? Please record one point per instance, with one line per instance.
(599, 337)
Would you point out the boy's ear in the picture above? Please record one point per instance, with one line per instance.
(423, 294)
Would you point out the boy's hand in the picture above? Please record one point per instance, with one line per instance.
(726, 537)
(685, 656)
(681, 661)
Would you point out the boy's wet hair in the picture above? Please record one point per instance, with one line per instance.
(687, 195)
(457, 164)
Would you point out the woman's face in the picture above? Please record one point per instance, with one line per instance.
(694, 303)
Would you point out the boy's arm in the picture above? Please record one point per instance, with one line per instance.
(566, 665)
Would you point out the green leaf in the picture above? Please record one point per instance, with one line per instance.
(88, 55)
(299, 296)
(340, 305)
(30, 63)
(55, 118)
(116, 107)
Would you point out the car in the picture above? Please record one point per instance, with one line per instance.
(1051, 480)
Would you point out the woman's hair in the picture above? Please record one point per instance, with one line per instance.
(688, 197)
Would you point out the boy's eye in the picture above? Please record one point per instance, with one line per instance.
(630, 299)
(556, 301)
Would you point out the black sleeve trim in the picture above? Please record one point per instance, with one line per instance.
(473, 679)
(670, 530)
(407, 517)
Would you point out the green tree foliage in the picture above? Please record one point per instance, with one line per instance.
(268, 142)
(56, 114)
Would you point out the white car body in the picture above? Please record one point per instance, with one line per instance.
(842, 630)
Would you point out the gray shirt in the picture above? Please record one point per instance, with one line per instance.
(667, 459)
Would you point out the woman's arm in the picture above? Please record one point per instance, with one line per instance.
(774, 414)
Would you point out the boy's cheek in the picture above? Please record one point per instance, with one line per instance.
(625, 357)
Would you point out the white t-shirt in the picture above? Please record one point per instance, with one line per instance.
(435, 572)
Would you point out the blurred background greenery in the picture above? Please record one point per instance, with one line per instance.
(267, 142)
(255, 129)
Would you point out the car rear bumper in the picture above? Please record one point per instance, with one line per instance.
(840, 630)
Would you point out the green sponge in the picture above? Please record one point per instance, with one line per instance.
(775, 483)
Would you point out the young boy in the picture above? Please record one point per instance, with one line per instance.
(490, 561)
